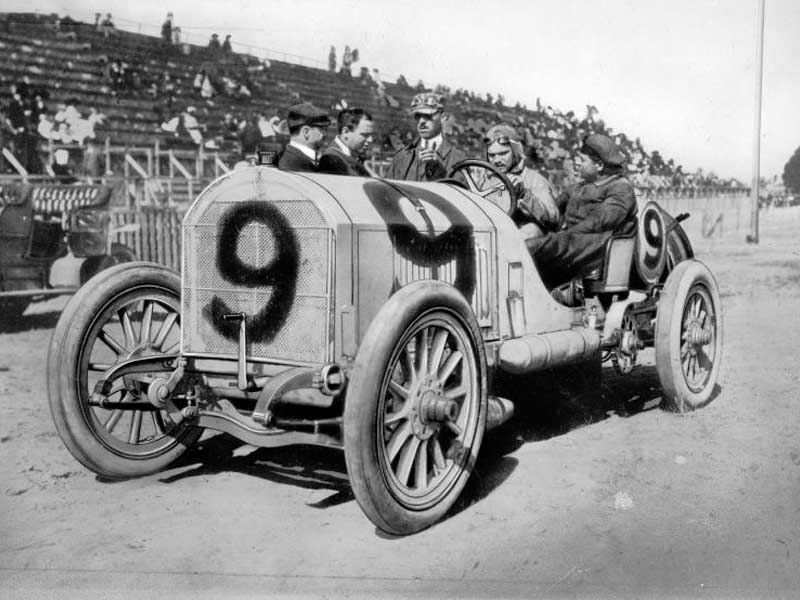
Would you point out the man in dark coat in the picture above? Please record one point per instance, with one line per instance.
(601, 204)
(345, 156)
(429, 157)
(308, 126)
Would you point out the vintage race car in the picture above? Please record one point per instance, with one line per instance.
(365, 314)
(42, 222)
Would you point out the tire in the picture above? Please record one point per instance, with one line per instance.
(688, 344)
(433, 445)
(90, 336)
(120, 253)
(679, 249)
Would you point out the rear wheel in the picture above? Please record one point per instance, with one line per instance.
(415, 411)
(689, 336)
(128, 311)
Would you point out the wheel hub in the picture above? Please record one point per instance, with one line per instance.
(697, 335)
(430, 408)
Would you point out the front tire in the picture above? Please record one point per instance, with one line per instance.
(415, 411)
(126, 311)
(689, 336)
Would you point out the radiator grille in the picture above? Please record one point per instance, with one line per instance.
(285, 293)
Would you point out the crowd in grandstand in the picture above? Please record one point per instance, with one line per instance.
(223, 100)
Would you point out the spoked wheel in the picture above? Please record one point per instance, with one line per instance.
(128, 311)
(689, 336)
(415, 411)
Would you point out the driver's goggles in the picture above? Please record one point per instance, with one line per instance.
(503, 140)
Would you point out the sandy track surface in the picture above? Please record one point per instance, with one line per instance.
(581, 494)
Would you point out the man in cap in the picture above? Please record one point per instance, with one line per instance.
(307, 128)
(537, 212)
(345, 156)
(431, 155)
(601, 204)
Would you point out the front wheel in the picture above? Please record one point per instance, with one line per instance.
(689, 336)
(415, 410)
(127, 311)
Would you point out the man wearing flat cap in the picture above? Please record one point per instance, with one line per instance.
(431, 155)
(537, 212)
(601, 204)
(307, 128)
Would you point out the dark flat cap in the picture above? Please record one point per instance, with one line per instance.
(307, 114)
(604, 148)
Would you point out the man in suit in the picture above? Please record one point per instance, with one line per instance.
(308, 126)
(345, 156)
(431, 155)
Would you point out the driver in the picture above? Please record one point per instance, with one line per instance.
(536, 212)
(601, 204)
(431, 155)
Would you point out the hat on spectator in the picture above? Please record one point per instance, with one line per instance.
(306, 113)
(604, 148)
(427, 103)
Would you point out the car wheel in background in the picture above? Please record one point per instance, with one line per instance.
(688, 333)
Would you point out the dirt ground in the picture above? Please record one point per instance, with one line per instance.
(580, 495)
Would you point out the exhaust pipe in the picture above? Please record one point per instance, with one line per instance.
(542, 351)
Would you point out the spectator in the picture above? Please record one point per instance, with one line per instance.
(166, 31)
(197, 85)
(332, 60)
(213, 45)
(91, 162)
(347, 61)
(45, 127)
(229, 127)
(250, 136)
(207, 90)
(226, 45)
(61, 169)
(16, 113)
(107, 25)
(116, 75)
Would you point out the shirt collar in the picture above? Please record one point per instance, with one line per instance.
(304, 149)
(438, 140)
(342, 146)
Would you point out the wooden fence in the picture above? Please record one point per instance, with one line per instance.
(153, 233)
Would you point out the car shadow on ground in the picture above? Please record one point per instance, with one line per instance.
(29, 322)
(308, 467)
(552, 404)
(546, 405)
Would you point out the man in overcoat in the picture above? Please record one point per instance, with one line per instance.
(601, 204)
(431, 155)
(308, 126)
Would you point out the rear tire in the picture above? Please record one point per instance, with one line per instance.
(688, 336)
(125, 311)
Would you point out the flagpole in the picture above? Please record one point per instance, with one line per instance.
(754, 191)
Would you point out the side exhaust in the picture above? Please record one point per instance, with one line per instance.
(538, 352)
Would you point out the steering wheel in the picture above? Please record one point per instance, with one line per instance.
(504, 182)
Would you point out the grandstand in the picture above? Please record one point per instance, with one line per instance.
(69, 60)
